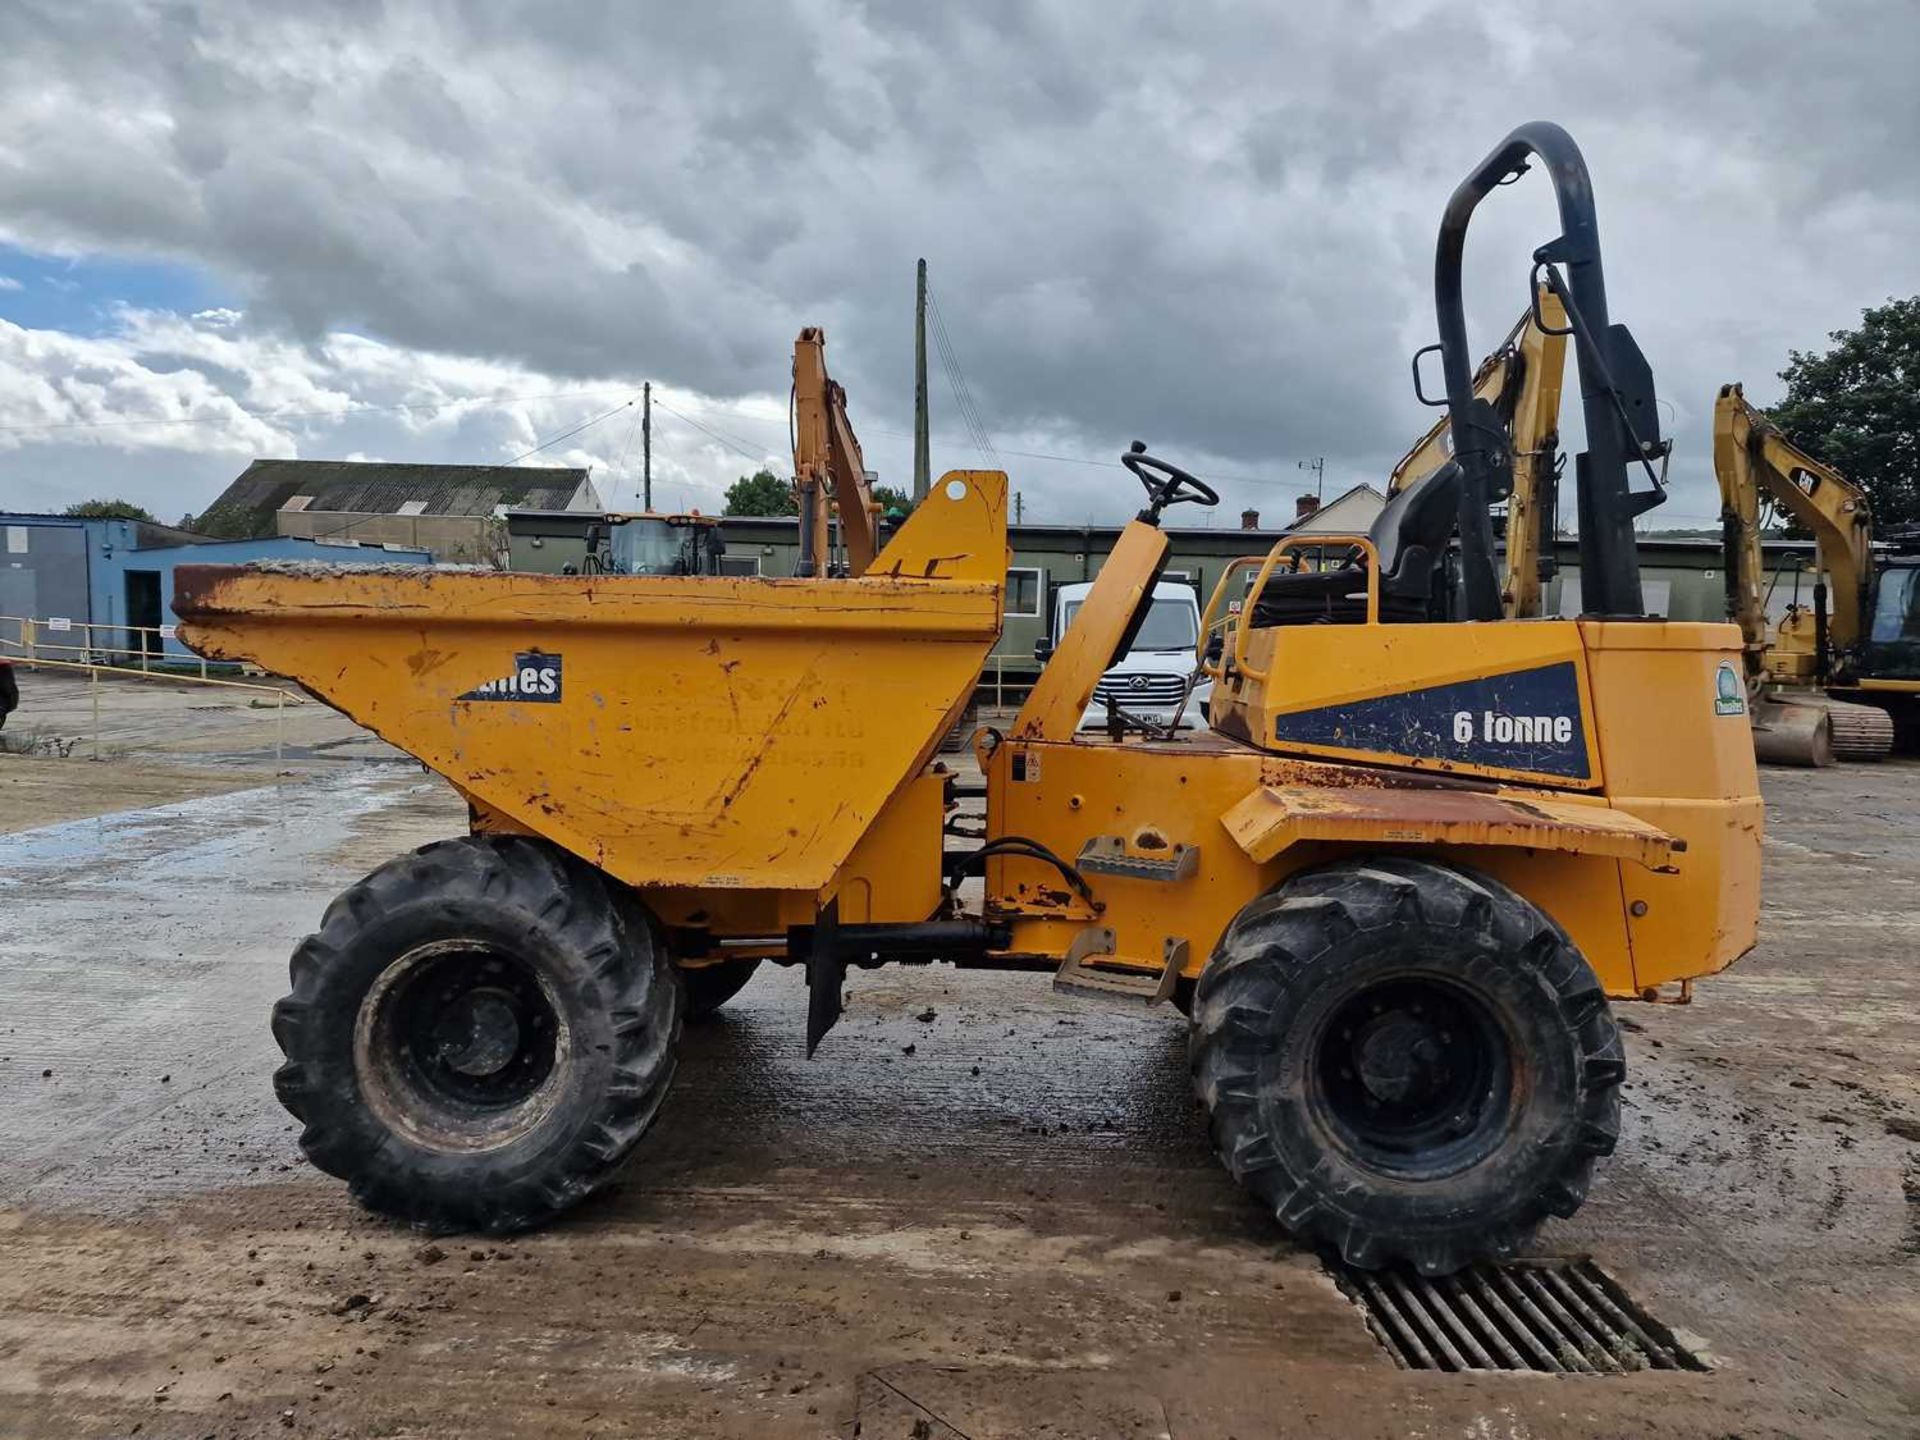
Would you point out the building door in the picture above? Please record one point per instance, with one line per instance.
(143, 612)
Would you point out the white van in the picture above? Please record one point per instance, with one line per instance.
(1150, 678)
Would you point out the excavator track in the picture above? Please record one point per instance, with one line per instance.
(1860, 732)
(1804, 729)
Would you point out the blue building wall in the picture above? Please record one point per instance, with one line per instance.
(79, 569)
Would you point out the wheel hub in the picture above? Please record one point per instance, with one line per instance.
(1414, 1076)
(460, 1045)
(478, 1033)
(1401, 1056)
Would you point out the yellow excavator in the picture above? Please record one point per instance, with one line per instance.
(829, 473)
(1521, 382)
(1397, 887)
(1840, 675)
(1833, 676)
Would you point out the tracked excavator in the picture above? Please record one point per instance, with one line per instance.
(1838, 677)
(1398, 888)
(1520, 383)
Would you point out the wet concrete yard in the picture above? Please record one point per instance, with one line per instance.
(997, 1220)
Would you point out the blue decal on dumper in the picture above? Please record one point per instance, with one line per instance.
(535, 680)
(1522, 720)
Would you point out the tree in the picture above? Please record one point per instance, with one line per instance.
(109, 510)
(891, 498)
(1857, 407)
(762, 493)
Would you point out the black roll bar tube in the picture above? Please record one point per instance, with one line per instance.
(1609, 560)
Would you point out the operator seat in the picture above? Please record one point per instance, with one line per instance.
(1410, 534)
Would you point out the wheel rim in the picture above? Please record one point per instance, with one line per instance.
(1414, 1077)
(460, 1045)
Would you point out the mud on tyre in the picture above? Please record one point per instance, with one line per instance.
(478, 1035)
(1405, 1061)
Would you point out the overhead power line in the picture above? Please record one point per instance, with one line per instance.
(733, 443)
(957, 380)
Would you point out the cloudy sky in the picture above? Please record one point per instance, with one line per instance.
(454, 232)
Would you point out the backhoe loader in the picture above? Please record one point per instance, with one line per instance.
(1396, 886)
(1834, 676)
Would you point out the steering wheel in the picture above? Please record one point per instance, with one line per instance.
(1176, 486)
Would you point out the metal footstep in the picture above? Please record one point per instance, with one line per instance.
(1561, 1317)
(1134, 990)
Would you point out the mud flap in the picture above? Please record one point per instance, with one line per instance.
(826, 974)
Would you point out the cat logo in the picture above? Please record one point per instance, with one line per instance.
(535, 680)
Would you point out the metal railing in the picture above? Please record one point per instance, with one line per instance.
(24, 641)
(26, 638)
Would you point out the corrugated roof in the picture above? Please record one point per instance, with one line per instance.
(247, 506)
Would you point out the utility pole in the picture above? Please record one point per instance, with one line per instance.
(1019, 507)
(646, 445)
(1318, 465)
(922, 461)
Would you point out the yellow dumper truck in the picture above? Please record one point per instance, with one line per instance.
(1396, 884)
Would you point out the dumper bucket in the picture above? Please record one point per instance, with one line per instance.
(712, 732)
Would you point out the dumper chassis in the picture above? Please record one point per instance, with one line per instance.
(1396, 884)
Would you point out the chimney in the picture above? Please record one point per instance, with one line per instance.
(1249, 519)
(1304, 507)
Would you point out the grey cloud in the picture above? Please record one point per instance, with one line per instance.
(1211, 226)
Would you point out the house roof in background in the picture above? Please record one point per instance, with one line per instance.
(248, 505)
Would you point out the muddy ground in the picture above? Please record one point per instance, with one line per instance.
(1001, 1220)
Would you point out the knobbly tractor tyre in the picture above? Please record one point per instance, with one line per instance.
(960, 737)
(478, 1035)
(1405, 1062)
(709, 987)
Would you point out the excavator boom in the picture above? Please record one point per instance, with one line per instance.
(827, 465)
(1793, 724)
(1751, 460)
(1522, 381)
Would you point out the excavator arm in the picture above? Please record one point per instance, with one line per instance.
(827, 466)
(1752, 460)
(1522, 381)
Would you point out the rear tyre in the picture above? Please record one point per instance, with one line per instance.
(478, 1036)
(960, 737)
(709, 987)
(1405, 1062)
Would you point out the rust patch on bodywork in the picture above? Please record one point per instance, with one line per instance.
(1274, 817)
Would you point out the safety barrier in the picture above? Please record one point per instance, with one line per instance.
(26, 641)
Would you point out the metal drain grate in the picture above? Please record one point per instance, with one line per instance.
(1564, 1317)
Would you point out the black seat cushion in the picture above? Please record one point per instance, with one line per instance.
(1329, 597)
(1410, 534)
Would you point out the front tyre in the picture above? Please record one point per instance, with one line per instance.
(478, 1035)
(1405, 1061)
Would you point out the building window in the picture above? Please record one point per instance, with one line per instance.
(739, 564)
(1025, 589)
(1188, 578)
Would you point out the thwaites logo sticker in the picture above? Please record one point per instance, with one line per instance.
(1522, 720)
(535, 681)
(1729, 695)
